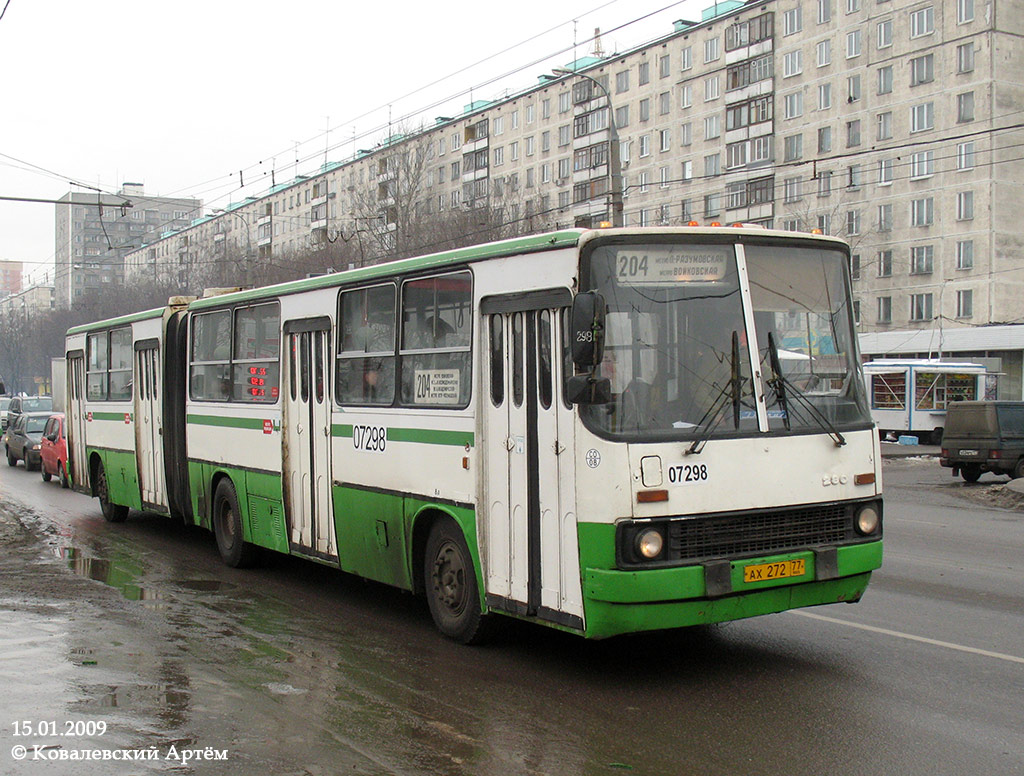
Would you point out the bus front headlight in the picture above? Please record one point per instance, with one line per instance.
(649, 543)
(867, 520)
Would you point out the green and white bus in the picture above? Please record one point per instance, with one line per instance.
(603, 431)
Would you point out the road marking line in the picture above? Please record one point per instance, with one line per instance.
(911, 637)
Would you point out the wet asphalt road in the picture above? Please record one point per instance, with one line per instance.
(295, 669)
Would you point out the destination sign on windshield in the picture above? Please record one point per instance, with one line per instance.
(662, 265)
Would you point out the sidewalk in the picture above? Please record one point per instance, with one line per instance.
(893, 450)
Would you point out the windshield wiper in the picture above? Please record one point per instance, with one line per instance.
(729, 391)
(780, 384)
(777, 382)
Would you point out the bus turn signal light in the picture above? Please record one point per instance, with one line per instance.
(650, 496)
(864, 479)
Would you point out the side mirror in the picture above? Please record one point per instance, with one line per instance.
(587, 330)
(587, 389)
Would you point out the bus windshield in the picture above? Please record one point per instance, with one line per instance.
(681, 336)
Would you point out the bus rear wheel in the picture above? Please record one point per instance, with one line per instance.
(452, 591)
(227, 527)
(112, 513)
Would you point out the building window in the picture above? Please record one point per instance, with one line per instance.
(792, 190)
(885, 309)
(885, 264)
(922, 212)
(824, 183)
(824, 96)
(736, 155)
(922, 22)
(792, 64)
(922, 117)
(824, 53)
(643, 73)
(853, 88)
(824, 140)
(711, 89)
(853, 44)
(885, 172)
(965, 156)
(712, 205)
(921, 259)
(922, 70)
(685, 96)
(685, 134)
(642, 183)
(622, 82)
(885, 33)
(964, 304)
(885, 80)
(885, 218)
(964, 11)
(824, 11)
(853, 229)
(853, 176)
(712, 165)
(965, 254)
(853, 133)
(793, 147)
(852, 6)
(922, 165)
(965, 58)
(712, 127)
(645, 146)
(885, 126)
(825, 223)
(711, 52)
(686, 58)
(664, 103)
(792, 21)
(665, 66)
(920, 307)
(665, 138)
(965, 107)
(793, 105)
(687, 171)
(964, 205)
(645, 109)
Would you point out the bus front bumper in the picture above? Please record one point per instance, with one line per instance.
(655, 599)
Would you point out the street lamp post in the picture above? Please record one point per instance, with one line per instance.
(614, 194)
(246, 265)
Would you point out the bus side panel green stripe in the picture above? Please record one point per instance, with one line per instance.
(423, 436)
(217, 420)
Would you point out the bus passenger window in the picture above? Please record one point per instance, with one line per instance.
(497, 360)
(365, 370)
(518, 372)
(544, 358)
(437, 329)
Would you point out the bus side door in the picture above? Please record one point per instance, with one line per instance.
(532, 560)
(75, 393)
(306, 435)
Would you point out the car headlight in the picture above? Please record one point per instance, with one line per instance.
(867, 520)
(649, 543)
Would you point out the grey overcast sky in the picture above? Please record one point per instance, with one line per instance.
(180, 96)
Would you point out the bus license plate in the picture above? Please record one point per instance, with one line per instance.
(764, 571)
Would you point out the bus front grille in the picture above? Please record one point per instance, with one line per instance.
(758, 533)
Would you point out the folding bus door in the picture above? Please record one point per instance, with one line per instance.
(531, 545)
(306, 435)
(75, 392)
(149, 447)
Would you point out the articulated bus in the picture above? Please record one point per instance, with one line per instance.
(604, 431)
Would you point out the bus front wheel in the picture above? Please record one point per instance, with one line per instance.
(451, 584)
(227, 527)
(112, 513)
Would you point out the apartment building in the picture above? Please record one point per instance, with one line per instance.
(10, 277)
(93, 232)
(894, 124)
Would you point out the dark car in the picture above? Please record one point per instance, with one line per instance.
(984, 436)
(21, 404)
(23, 438)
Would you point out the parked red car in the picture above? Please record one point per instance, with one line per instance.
(54, 450)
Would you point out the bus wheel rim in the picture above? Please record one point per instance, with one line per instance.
(450, 577)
